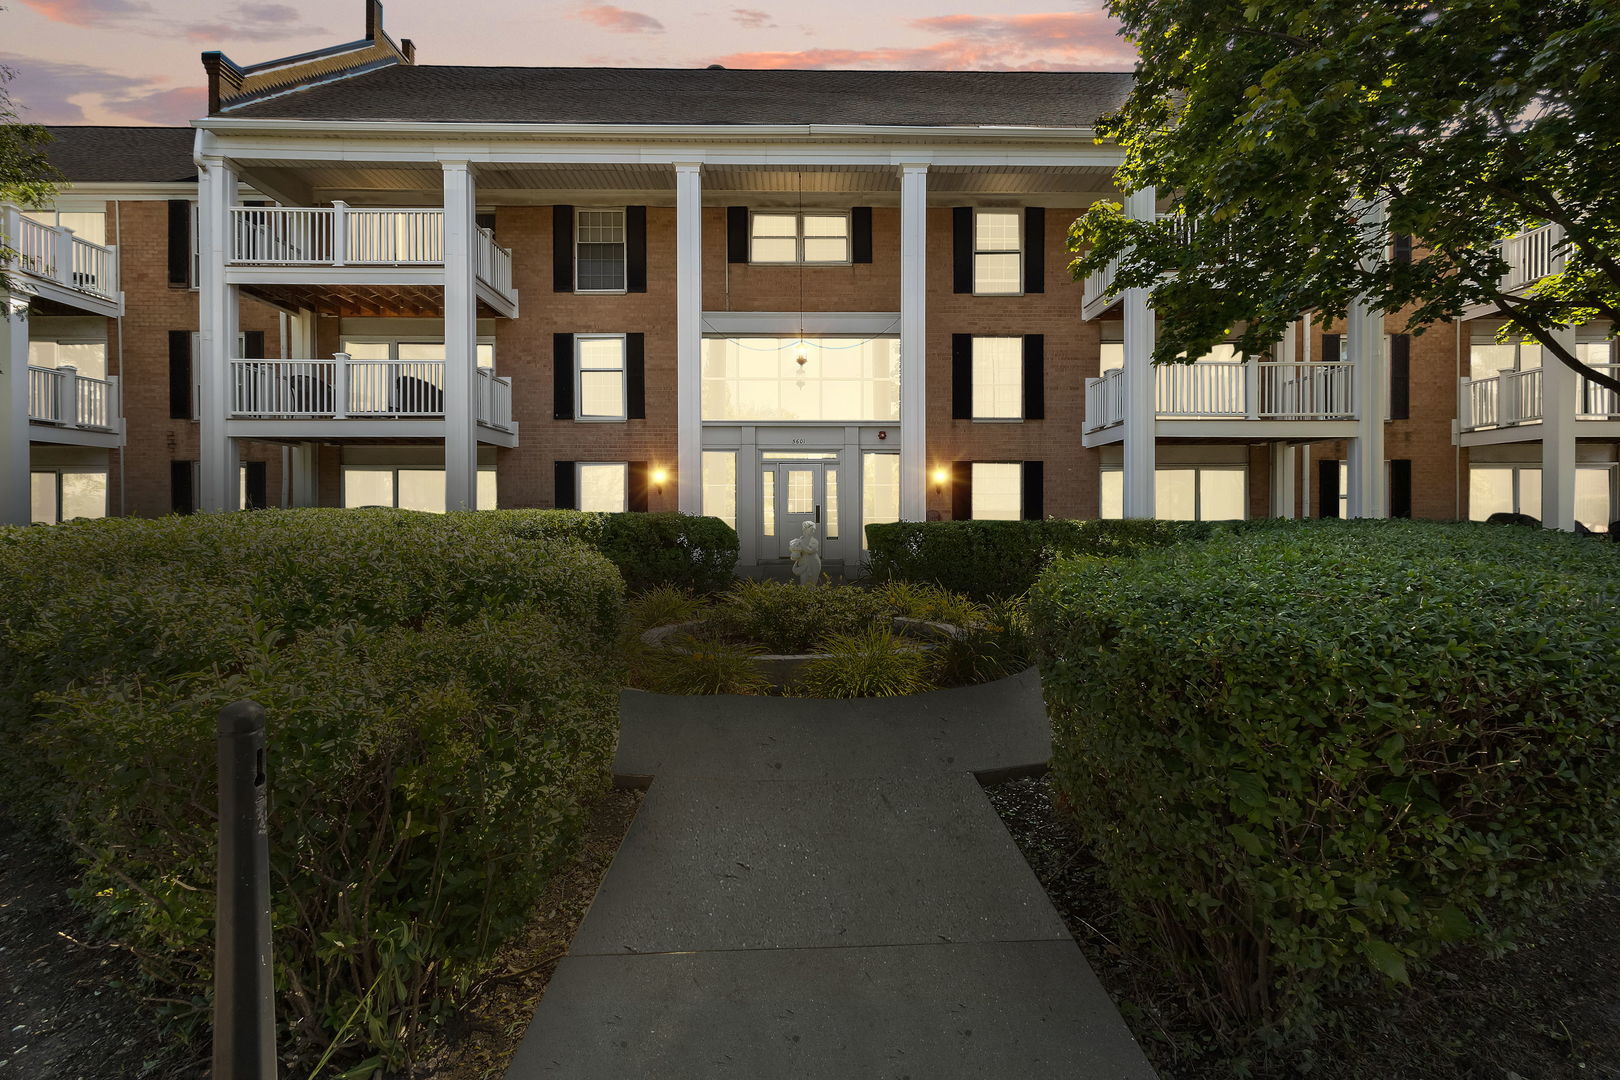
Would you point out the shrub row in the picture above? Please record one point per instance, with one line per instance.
(681, 550)
(1313, 754)
(439, 705)
(1003, 558)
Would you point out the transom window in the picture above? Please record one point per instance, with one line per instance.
(998, 264)
(998, 378)
(599, 250)
(818, 237)
(803, 380)
(599, 369)
(603, 485)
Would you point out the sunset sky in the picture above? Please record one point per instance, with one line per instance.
(136, 61)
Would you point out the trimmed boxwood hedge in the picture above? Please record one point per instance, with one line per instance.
(441, 698)
(1313, 754)
(686, 551)
(1003, 558)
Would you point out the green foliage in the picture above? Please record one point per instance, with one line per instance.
(664, 605)
(996, 645)
(441, 698)
(1312, 754)
(681, 550)
(930, 603)
(1278, 125)
(703, 665)
(872, 662)
(1003, 558)
(789, 619)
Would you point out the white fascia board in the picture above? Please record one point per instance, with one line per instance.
(618, 132)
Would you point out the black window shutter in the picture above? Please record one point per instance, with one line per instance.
(1403, 247)
(180, 375)
(253, 345)
(736, 234)
(182, 487)
(961, 376)
(1327, 487)
(563, 483)
(179, 243)
(1400, 488)
(635, 376)
(1034, 249)
(1033, 495)
(962, 248)
(1400, 376)
(961, 490)
(1035, 377)
(562, 249)
(636, 498)
(1332, 348)
(635, 249)
(860, 234)
(485, 220)
(258, 493)
(562, 376)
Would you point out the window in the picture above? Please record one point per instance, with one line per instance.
(997, 252)
(998, 378)
(89, 358)
(86, 225)
(811, 238)
(599, 372)
(720, 485)
(1111, 357)
(1516, 489)
(1184, 493)
(599, 250)
(57, 495)
(603, 486)
(847, 379)
(407, 487)
(998, 491)
(880, 490)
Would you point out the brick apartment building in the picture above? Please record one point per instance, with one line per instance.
(362, 281)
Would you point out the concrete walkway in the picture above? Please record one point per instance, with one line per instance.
(821, 889)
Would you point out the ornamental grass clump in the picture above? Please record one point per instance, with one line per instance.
(873, 662)
(1313, 754)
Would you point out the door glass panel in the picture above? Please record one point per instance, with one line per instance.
(1592, 507)
(832, 504)
(767, 502)
(367, 487)
(1530, 492)
(1175, 494)
(421, 489)
(880, 490)
(84, 495)
(42, 497)
(801, 491)
(1221, 495)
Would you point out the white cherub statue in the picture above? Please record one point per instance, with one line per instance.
(806, 554)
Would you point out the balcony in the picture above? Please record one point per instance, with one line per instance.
(1096, 302)
(52, 263)
(1531, 255)
(66, 407)
(1512, 400)
(343, 397)
(1214, 399)
(338, 246)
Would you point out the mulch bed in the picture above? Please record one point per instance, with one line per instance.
(1548, 1011)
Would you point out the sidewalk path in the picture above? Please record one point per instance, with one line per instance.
(821, 889)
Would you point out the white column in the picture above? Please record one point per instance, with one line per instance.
(913, 342)
(689, 340)
(1560, 394)
(15, 504)
(1364, 348)
(1140, 383)
(460, 339)
(219, 308)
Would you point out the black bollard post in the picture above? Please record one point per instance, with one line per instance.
(244, 1008)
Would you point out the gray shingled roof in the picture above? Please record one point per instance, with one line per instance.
(89, 154)
(701, 96)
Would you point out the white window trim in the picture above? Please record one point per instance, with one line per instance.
(579, 479)
(1018, 362)
(1017, 212)
(624, 244)
(798, 217)
(624, 381)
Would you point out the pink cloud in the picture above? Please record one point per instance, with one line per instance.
(53, 92)
(254, 22)
(619, 20)
(751, 19)
(87, 12)
(165, 107)
(1055, 41)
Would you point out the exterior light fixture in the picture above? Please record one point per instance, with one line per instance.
(940, 476)
(659, 477)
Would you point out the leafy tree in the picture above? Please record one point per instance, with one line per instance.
(26, 175)
(1285, 127)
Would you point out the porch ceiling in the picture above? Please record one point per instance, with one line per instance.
(360, 301)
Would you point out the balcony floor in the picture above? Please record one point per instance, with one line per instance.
(1234, 430)
(346, 300)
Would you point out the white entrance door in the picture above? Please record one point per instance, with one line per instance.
(801, 495)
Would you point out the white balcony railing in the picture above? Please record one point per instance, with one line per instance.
(343, 388)
(53, 253)
(1098, 282)
(1532, 255)
(1511, 397)
(1232, 390)
(340, 235)
(63, 397)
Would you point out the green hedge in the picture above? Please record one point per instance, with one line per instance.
(1313, 754)
(441, 701)
(1003, 558)
(681, 550)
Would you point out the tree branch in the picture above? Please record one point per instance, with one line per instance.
(1506, 307)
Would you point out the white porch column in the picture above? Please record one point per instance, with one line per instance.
(1140, 383)
(914, 342)
(689, 341)
(1364, 348)
(219, 309)
(460, 339)
(16, 507)
(1560, 395)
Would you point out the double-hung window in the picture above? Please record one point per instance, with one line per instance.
(599, 250)
(998, 491)
(998, 378)
(599, 373)
(998, 261)
(603, 486)
(812, 238)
